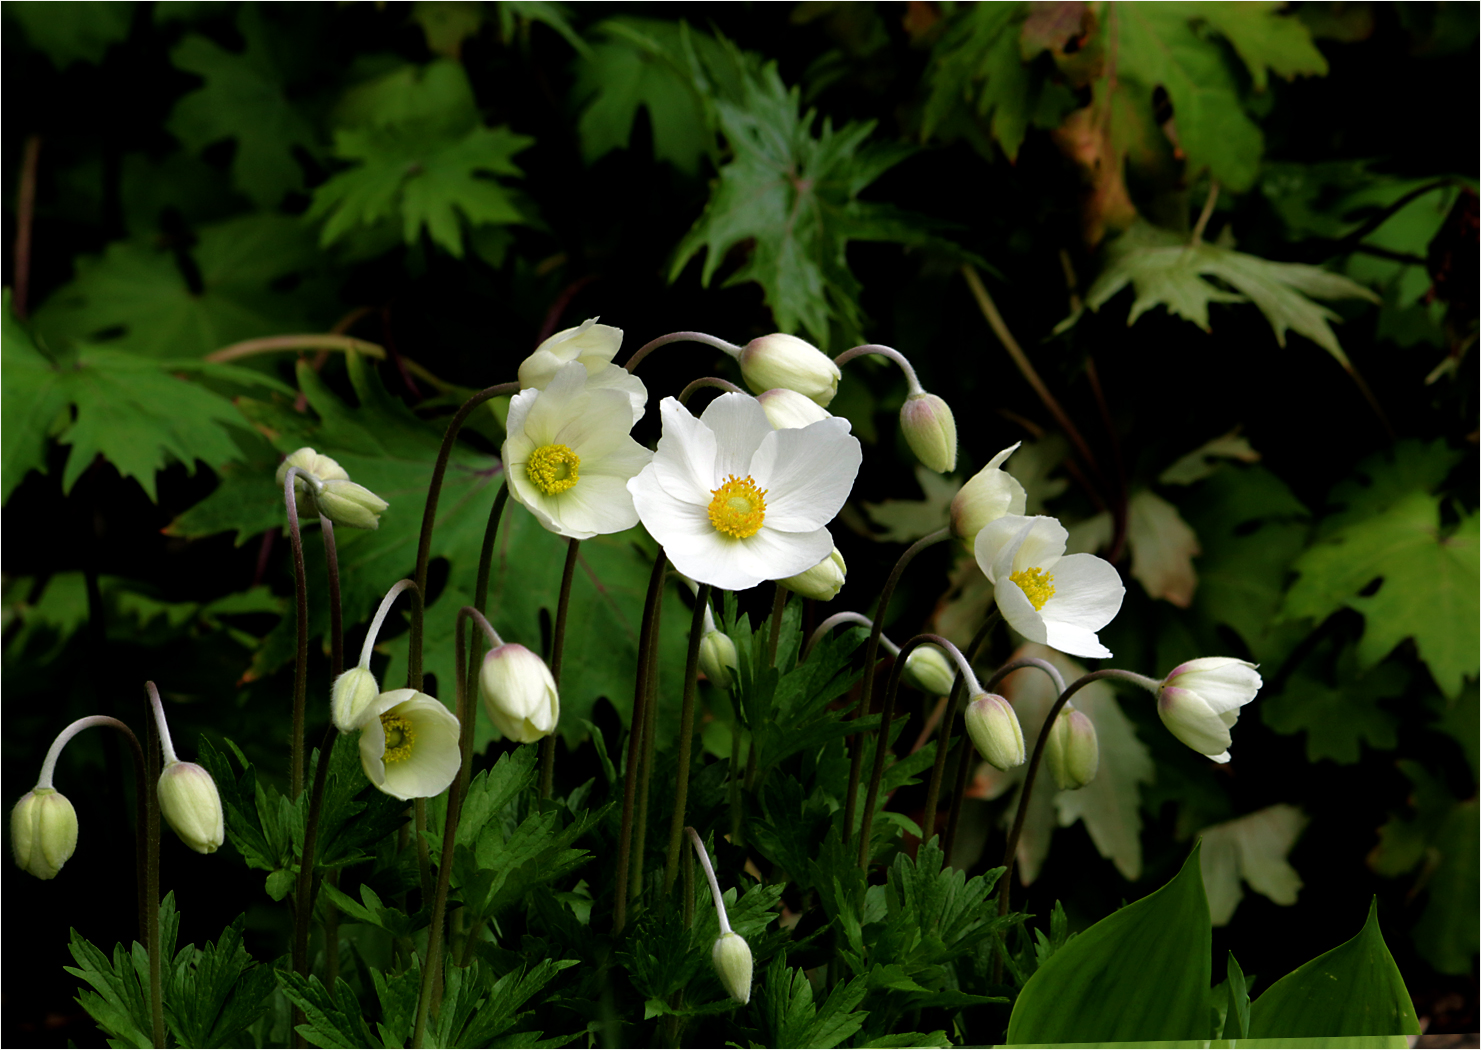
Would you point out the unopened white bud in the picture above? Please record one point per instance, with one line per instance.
(346, 503)
(354, 692)
(190, 803)
(718, 658)
(1199, 701)
(987, 496)
(788, 410)
(519, 693)
(732, 958)
(43, 832)
(930, 670)
(822, 582)
(993, 726)
(1072, 750)
(930, 430)
(322, 468)
(781, 360)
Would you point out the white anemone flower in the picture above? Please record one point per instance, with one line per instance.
(1199, 701)
(409, 744)
(734, 502)
(569, 456)
(1048, 598)
(594, 345)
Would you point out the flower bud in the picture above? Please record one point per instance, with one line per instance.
(788, 410)
(354, 506)
(1072, 750)
(1199, 701)
(780, 360)
(930, 670)
(993, 726)
(930, 430)
(190, 803)
(822, 582)
(717, 658)
(987, 496)
(732, 958)
(354, 692)
(321, 467)
(43, 832)
(519, 693)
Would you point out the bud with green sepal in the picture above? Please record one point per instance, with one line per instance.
(930, 430)
(993, 726)
(731, 954)
(314, 470)
(930, 670)
(354, 506)
(1072, 750)
(188, 799)
(822, 582)
(43, 832)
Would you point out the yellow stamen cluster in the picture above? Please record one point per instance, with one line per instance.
(553, 469)
(399, 737)
(1037, 585)
(739, 507)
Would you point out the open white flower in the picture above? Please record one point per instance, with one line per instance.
(1047, 597)
(735, 502)
(1199, 701)
(594, 345)
(569, 455)
(409, 744)
(989, 494)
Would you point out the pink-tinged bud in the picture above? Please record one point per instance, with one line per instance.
(519, 693)
(930, 430)
(191, 805)
(993, 726)
(1072, 750)
(1199, 701)
(43, 832)
(781, 360)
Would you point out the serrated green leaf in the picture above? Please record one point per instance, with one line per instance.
(30, 399)
(243, 98)
(77, 32)
(398, 994)
(1268, 40)
(1353, 990)
(790, 1018)
(335, 1020)
(213, 994)
(978, 66)
(1386, 478)
(1141, 973)
(1336, 719)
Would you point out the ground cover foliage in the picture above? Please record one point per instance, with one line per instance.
(1234, 247)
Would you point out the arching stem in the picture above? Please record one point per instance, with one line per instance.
(557, 650)
(912, 383)
(679, 337)
(707, 381)
(686, 739)
(948, 719)
(301, 649)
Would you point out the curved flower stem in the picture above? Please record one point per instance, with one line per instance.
(948, 719)
(557, 650)
(635, 742)
(429, 519)
(708, 381)
(150, 834)
(844, 617)
(303, 908)
(679, 337)
(301, 650)
(381, 612)
(912, 383)
(480, 604)
(336, 612)
(871, 654)
(1028, 661)
(715, 894)
(686, 739)
(882, 738)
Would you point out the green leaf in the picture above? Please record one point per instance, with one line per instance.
(117, 1001)
(138, 297)
(1336, 719)
(243, 98)
(1141, 973)
(30, 400)
(333, 1019)
(447, 23)
(1428, 589)
(793, 196)
(478, 1011)
(425, 157)
(215, 993)
(1268, 40)
(790, 1019)
(398, 994)
(1237, 1017)
(978, 65)
(1166, 270)
(1354, 989)
(1252, 848)
(76, 32)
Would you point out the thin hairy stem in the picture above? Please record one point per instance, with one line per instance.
(151, 883)
(303, 909)
(953, 705)
(336, 611)
(871, 655)
(424, 857)
(557, 650)
(635, 741)
(429, 520)
(686, 739)
(277, 344)
(485, 567)
(381, 612)
(844, 617)
(301, 622)
(650, 747)
(912, 383)
(708, 381)
(715, 894)
(679, 337)
(1206, 214)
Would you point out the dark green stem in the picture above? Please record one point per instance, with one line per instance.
(871, 655)
(778, 606)
(336, 611)
(301, 650)
(650, 747)
(679, 337)
(429, 519)
(557, 650)
(943, 738)
(481, 601)
(686, 740)
(303, 907)
(635, 740)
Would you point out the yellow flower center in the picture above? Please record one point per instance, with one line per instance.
(553, 469)
(1037, 585)
(399, 737)
(738, 508)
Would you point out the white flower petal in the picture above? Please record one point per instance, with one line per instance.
(1043, 546)
(1077, 641)
(555, 406)
(615, 377)
(807, 473)
(1087, 593)
(597, 505)
(674, 522)
(739, 425)
(685, 461)
(997, 544)
(597, 422)
(1018, 610)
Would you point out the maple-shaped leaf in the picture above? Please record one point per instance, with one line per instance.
(243, 98)
(1166, 270)
(420, 153)
(1337, 720)
(77, 32)
(793, 196)
(1253, 849)
(140, 298)
(1267, 39)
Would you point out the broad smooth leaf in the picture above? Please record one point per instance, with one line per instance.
(1141, 973)
(1354, 989)
(76, 32)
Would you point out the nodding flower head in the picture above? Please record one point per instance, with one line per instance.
(781, 360)
(43, 832)
(993, 726)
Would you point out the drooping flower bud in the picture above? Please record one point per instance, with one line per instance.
(1072, 750)
(353, 693)
(822, 582)
(190, 803)
(718, 658)
(321, 467)
(519, 693)
(354, 506)
(788, 410)
(781, 360)
(930, 670)
(732, 958)
(1199, 701)
(993, 726)
(987, 496)
(43, 832)
(930, 430)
